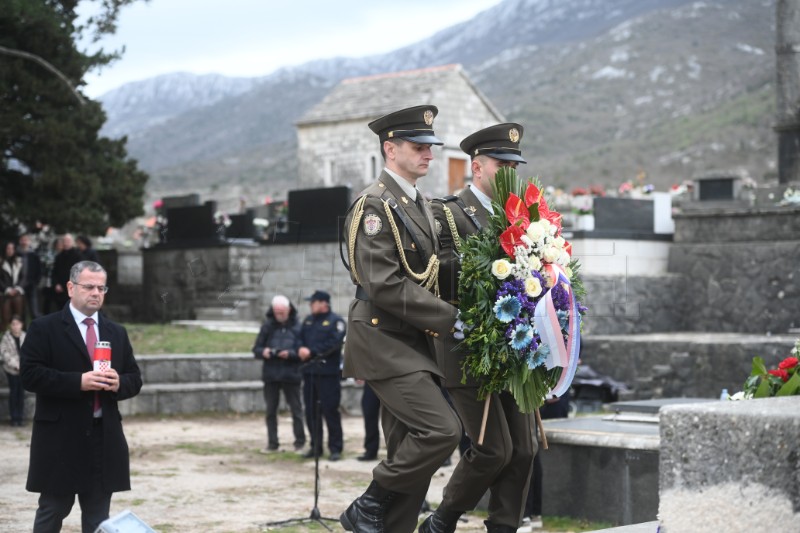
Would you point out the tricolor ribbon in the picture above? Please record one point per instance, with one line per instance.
(562, 353)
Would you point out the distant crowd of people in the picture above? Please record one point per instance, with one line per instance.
(33, 275)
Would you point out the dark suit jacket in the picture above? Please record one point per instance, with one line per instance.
(53, 358)
(450, 267)
(391, 334)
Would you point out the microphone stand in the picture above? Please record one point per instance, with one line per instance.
(316, 421)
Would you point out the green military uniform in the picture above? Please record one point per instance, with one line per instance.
(504, 462)
(392, 323)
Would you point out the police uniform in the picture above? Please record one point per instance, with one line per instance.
(392, 255)
(323, 334)
(505, 459)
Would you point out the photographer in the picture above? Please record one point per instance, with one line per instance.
(276, 345)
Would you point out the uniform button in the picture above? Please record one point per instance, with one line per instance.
(413, 246)
(374, 321)
(435, 334)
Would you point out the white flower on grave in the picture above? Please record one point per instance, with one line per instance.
(741, 395)
(501, 269)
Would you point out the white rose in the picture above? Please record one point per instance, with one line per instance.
(527, 241)
(559, 242)
(533, 287)
(501, 269)
(534, 263)
(551, 254)
(535, 231)
(563, 259)
(546, 226)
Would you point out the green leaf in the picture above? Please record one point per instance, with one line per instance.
(763, 389)
(759, 368)
(791, 387)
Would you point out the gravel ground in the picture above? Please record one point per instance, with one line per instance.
(205, 474)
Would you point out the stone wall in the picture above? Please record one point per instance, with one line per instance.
(741, 268)
(633, 304)
(240, 280)
(695, 365)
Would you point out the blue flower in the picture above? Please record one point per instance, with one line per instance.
(522, 336)
(507, 308)
(538, 357)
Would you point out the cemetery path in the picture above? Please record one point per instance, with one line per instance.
(205, 473)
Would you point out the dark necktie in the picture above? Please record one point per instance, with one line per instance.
(91, 340)
(420, 202)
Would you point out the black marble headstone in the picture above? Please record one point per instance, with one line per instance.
(623, 214)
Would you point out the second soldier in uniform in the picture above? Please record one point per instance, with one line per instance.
(504, 461)
(393, 321)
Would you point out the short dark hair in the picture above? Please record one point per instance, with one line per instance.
(397, 142)
(83, 239)
(80, 266)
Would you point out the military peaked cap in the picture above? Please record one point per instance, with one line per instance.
(413, 124)
(500, 142)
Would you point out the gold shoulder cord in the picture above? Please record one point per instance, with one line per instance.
(452, 223)
(351, 243)
(429, 279)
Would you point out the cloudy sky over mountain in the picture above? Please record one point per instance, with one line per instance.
(253, 37)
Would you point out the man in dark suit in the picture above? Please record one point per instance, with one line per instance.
(504, 460)
(77, 445)
(393, 320)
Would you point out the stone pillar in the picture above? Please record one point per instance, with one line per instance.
(730, 466)
(787, 68)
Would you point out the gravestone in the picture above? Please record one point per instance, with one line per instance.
(623, 214)
(730, 466)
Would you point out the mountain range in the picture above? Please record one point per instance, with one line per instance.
(606, 89)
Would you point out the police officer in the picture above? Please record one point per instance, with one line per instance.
(392, 255)
(321, 339)
(503, 462)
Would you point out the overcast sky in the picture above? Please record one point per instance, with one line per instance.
(255, 37)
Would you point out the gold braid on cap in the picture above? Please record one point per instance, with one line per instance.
(451, 222)
(429, 279)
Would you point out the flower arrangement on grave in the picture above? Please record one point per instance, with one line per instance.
(519, 294)
(781, 381)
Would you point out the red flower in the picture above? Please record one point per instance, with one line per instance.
(511, 237)
(533, 195)
(789, 362)
(516, 211)
(568, 247)
(783, 374)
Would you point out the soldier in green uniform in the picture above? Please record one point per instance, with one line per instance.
(504, 461)
(392, 256)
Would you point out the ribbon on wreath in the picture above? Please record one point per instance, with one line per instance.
(563, 353)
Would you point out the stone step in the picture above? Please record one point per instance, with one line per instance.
(197, 383)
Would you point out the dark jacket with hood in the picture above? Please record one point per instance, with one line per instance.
(278, 337)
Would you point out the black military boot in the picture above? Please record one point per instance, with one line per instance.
(498, 528)
(441, 521)
(365, 514)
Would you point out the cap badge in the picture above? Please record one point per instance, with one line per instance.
(471, 209)
(372, 225)
(438, 227)
(428, 116)
(404, 199)
(513, 134)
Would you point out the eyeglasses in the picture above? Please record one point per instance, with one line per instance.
(90, 288)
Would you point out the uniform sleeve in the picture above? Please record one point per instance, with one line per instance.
(383, 277)
(325, 344)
